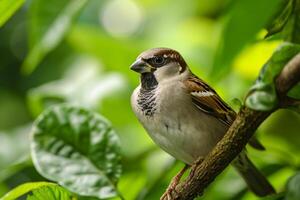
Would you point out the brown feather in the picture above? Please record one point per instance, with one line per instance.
(211, 104)
(214, 105)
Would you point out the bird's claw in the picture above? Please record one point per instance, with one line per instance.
(171, 190)
(168, 195)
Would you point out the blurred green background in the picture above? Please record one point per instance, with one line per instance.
(80, 51)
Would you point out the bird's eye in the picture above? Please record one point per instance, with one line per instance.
(158, 60)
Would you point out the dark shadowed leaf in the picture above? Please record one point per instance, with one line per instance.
(78, 149)
(262, 95)
(282, 18)
(8, 8)
(293, 188)
(279, 196)
(48, 32)
(245, 19)
(291, 31)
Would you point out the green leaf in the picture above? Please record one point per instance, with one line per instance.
(280, 21)
(53, 192)
(278, 196)
(41, 16)
(53, 34)
(295, 92)
(291, 32)
(23, 189)
(293, 188)
(78, 149)
(8, 8)
(244, 21)
(262, 95)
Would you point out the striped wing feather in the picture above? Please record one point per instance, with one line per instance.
(207, 100)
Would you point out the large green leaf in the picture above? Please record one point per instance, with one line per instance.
(293, 188)
(78, 149)
(8, 8)
(23, 189)
(45, 39)
(53, 192)
(244, 21)
(262, 95)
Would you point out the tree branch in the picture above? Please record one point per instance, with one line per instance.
(236, 138)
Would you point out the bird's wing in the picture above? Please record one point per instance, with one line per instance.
(207, 100)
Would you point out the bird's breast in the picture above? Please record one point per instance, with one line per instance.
(146, 102)
(175, 124)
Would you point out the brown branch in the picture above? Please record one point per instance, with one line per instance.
(289, 76)
(235, 139)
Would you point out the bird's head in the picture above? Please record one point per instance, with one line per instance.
(163, 64)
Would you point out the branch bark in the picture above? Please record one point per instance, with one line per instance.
(236, 138)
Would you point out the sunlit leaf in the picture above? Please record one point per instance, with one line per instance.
(245, 19)
(293, 188)
(53, 192)
(54, 34)
(262, 95)
(78, 149)
(8, 8)
(23, 189)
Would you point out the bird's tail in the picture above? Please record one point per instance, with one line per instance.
(255, 180)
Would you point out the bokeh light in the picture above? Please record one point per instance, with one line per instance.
(121, 18)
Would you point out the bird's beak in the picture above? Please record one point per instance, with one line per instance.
(141, 66)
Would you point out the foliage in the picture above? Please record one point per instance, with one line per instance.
(263, 95)
(247, 19)
(50, 192)
(43, 41)
(7, 9)
(78, 149)
(293, 188)
(66, 63)
(40, 190)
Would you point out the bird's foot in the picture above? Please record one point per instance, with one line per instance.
(168, 195)
(171, 190)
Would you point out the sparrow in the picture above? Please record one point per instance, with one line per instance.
(184, 116)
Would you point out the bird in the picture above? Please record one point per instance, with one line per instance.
(184, 116)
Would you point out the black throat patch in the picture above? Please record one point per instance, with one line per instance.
(148, 81)
(146, 97)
